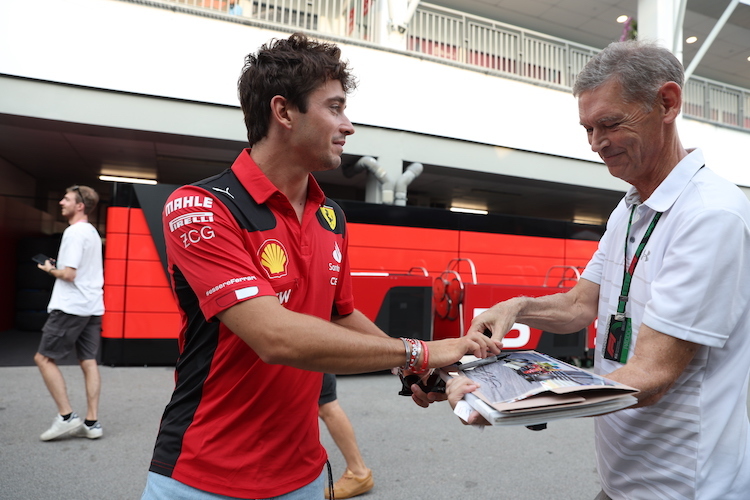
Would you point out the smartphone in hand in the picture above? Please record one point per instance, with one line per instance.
(40, 258)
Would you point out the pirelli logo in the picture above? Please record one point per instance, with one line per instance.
(191, 218)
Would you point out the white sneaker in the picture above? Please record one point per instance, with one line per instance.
(93, 432)
(61, 427)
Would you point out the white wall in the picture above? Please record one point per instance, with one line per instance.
(128, 47)
(726, 150)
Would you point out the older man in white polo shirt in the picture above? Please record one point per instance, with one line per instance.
(670, 286)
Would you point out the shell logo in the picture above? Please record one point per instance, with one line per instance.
(273, 258)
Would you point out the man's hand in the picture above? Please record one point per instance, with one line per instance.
(448, 351)
(456, 389)
(47, 266)
(425, 399)
(498, 320)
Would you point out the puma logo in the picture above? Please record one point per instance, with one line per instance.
(223, 191)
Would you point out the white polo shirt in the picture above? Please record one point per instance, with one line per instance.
(81, 249)
(692, 282)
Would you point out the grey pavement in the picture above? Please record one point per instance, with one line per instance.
(415, 453)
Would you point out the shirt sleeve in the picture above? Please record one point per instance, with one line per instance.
(698, 295)
(71, 249)
(595, 268)
(205, 245)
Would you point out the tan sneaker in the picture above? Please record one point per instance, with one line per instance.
(350, 485)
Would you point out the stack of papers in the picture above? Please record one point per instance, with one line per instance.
(530, 388)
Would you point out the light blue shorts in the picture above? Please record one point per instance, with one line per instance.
(160, 487)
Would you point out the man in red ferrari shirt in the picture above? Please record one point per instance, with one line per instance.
(258, 263)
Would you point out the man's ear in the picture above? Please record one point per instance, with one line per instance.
(670, 98)
(280, 111)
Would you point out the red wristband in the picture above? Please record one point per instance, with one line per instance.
(425, 358)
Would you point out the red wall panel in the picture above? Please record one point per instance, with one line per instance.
(145, 325)
(138, 224)
(150, 299)
(140, 303)
(511, 244)
(142, 247)
(146, 273)
(498, 258)
(113, 324)
(114, 298)
(117, 246)
(137, 294)
(117, 219)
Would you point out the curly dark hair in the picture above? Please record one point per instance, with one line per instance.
(292, 68)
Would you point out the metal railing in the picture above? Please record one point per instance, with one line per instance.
(344, 18)
(717, 103)
(494, 47)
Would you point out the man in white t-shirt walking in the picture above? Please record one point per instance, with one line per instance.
(76, 308)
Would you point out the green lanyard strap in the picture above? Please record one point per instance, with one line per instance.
(629, 270)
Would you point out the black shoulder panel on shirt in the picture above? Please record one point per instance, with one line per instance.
(331, 217)
(229, 190)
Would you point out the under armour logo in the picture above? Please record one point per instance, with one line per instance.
(224, 191)
(645, 256)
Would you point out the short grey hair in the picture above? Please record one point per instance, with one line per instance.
(641, 67)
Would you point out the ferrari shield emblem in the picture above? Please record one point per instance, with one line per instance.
(329, 215)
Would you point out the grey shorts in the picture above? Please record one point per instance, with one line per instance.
(328, 391)
(64, 331)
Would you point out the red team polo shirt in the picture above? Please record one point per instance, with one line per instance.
(235, 425)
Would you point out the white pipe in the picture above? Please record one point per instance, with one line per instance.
(412, 172)
(386, 188)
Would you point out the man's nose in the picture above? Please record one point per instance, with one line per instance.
(346, 127)
(598, 141)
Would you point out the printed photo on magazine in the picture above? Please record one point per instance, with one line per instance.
(528, 387)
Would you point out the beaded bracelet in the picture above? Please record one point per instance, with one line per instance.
(415, 352)
(414, 348)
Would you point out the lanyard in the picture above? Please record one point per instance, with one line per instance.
(629, 270)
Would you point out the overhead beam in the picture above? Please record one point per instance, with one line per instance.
(712, 36)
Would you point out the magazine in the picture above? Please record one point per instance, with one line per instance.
(531, 388)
